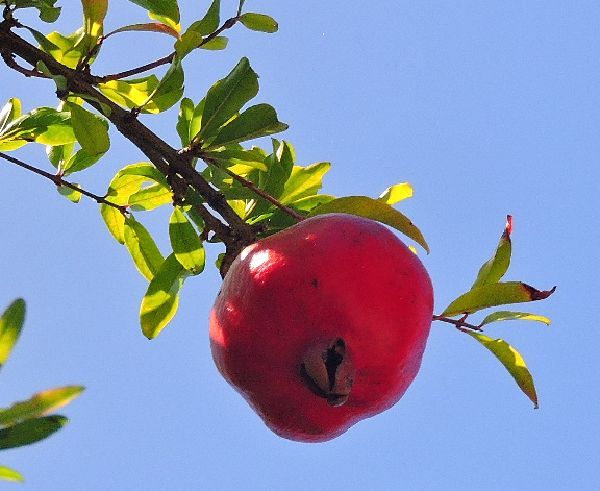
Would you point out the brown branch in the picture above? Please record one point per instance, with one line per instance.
(59, 181)
(458, 323)
(11, 63)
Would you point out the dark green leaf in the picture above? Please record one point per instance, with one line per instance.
(187, 246)
(165, 11)
(186, 112)
(39, 404)
(495, 294)
(494, 269)
(9, 474)
(144, 252)
(375, 210)
(505, 315)
(48, 12)
(217, 43)
(11, 324)
(512, 361)
(259, 22)
(90, 130)
(30, 431)
(226, 97)
(254, 122)
(161, 301)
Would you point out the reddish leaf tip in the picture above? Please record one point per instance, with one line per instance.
(509, 224)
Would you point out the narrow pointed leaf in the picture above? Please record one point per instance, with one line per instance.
(210, 22)
(147, 27)
(494, 269)
(144, 252)
(94, 12)
(495, 294)
(259, 22)
(227, 96)
(255, 122)
(396, 193)
(81, 160)
(161, 301)
(11, 324)
(375, 210)
(9, 474)
(505, 315)
(170, 88)
(39, 404)
(30, 431)
(512, 361)
(187, 246)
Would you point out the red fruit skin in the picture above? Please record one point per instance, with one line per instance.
(328, 277)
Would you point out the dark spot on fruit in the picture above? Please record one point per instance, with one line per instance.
(315, 283)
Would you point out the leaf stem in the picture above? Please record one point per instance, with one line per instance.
(458, 323)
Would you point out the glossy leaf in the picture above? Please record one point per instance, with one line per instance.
(70, 193)
(259, 22)
(11, 324)
(396, 193)
(39, 404)
(505, 315)
(147, 27)
(90, 130)
(9, 112)
(150, 198)
(192, 38)
(236, 155)
(165, 11)
(494, 269)
(375, 210)
(226, 97)
(161, 301)
(255, 122)
(512, 361)
(9, 474)
(186, 243)
(30, 431)
(495, 294)
(144, 252)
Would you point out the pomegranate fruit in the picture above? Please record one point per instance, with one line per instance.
(322, 324)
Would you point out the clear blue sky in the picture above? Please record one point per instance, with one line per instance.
(487, 108)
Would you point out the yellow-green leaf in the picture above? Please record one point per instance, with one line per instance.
(115, 222)
(11, 324)
(70, 193)
(373, 209)
(396, 193)
(94, 12)
(144, 252)
(259, 22)
(512, 361)
(161, 301)
(505, 315)
(30, 431)
(9, 474)
(90, 130)
(9, 112)
(304, 181)
(494, 269)
(495, 294)
(39, 404)
(150, 198)
(187, 246)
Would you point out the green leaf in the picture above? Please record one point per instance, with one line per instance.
(304, 181)
(217, 43)
(115, 222)
(43, 125)
(94, 12)
(236, 155)
(396, 193)
(494, 269)
(495, 294)
(59, 155)
(70, 193)
(161, 301)
(90, 130)
(138, 93)
(193, 36)
(187, 246)
(39, 404)
(259, 22)
(255, 122)
(166, 11)
(226, 97)
(512, 361)
(150, 198)
(505, 315)
(9, 474)
(79, 161)
(375, 210)
(11, 324)
(184, 118)
(66, 49)
(144, 252)
(48, 12)
(169, 89)
(9, 112)
(30, 431)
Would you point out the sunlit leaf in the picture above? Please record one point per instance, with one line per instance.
(165, 11)
(94, 12)
(66, 48)
(43, 125)
(135, 93)
(79, 161)
(59, 155)
(512, 361)
(375, 210)
(235, 155)
(144, 252)
(495, 294)
(11, 324)
(226, 97)
(90, 130)
(70, 193)
(40, 404)
(505, 315)
(150, 198)
(169, 89)
(161, 301)
(193, 36)
(9, 474)
(217, 43)
(304, 181)
(259, 22)
(30, 431)
(494, 269)
(255, 122)
(9, 112)
(396, 193)
(187, 246)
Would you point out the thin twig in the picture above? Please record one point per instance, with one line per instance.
(458, 323)
(11, 63)
(59, 181)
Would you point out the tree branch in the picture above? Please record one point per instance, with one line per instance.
(59, 181)
(458, 323)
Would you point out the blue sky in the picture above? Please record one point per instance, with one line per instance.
(487, 108)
